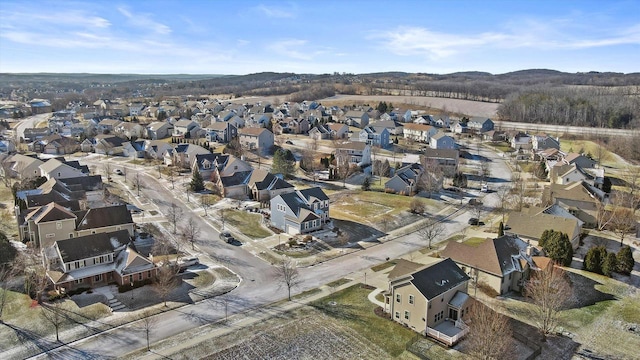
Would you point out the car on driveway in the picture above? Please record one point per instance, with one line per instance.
(474, 221)
(227, 237)
(186, 262)
(289, 142)
(119, 172)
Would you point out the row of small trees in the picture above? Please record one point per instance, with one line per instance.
(599, 261)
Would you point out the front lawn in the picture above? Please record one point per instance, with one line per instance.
(350, 307)
(247, 223)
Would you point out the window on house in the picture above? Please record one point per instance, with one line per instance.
(397, 315)
(149, 274)
(398, 298)
(97, 278)
(58, 224)
(411, 299)
(130, 279)
(140, 276)
(406, 315)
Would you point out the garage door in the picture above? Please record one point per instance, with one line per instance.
(291, 230)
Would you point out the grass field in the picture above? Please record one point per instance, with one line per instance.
(247, 223)
(589, 147)
(474, 241)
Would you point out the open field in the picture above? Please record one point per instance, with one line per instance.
(471, 108)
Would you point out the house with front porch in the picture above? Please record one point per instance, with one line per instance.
(431, 300)
(96, 260)
(300, 211)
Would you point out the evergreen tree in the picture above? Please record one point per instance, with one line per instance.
(625, 260)
(197, 183)
(610, 264)
(283, 163)
(594, 259)
(558, 248)
(366, 184)
(501, 229)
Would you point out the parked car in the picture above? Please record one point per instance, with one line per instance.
(474, 221)
(226, 236)
(484, 188)
(289, 142)
(186, 262)
(119, 172)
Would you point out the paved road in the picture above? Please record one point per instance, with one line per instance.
(259, 284)
(29, 122)
(559, 130)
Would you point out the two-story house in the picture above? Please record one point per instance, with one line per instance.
(159, 130)
(431, 300)
(543, 142)
(96, 260)
(405, 180)
(185, 128)
(221, 132)
(374, 136)
(300, 211)
(264, 186)
(480, 124)
(358, 153)
(442, 141)
(359, 119)
(418, 132)
(259, 139)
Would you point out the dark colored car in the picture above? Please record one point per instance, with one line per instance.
(289, 142)
(474, 221)
(226, 236)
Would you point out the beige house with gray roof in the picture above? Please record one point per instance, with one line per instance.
(530, 227)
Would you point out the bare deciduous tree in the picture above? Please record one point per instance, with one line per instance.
(489, 333)
(432, 177)
(166, 281)
(344, 168)
(206, 201)
(287, 272)
(431, 231)
(503, 197)
(191, 231)
(7, 273)
(146, 324)
(549, 290)
(622, 223)
(53, 314)
(174, 214)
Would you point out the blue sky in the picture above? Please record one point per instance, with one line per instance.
(240, 37)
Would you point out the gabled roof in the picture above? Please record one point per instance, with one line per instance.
(314, 193)
(52, 165)
(441, 153)
(264, 180)
(499, 256)
(252, 131)
(104, 216)
(336, 126)
(184, 123)
(573, 191)
(352, 145)
(355, 113)
(157, 125)
(439, 135)
(219, 126)
(129, 261)
(237, 178)
(50, 212)
(403, 267)
(88, 246)
(436, 279)
(418, 127)
(532, 226)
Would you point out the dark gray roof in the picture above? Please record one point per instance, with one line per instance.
(315, 192)
(294, 202)
(438, 278)
(104, 216)
(88, 246)
(86, 183)
(238, 178)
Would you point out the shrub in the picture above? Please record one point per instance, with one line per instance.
(594, 259)
(610, 264)
(487, 289)
(625, 260)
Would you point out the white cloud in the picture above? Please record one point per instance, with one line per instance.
(144, 21)
(292, 48)
(276, 12)
(420, 41)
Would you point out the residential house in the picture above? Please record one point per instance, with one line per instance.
(135, 109)
(374, 136)
(359, 119)
(130, 130)
(39, 106)
(502, 263)
(442, 141)
(96, 260)
(56, 169)
(447, 159)
(105, 219)
(33, 134)
(580, 160)
(256, 139)
(232, 178)
(418, 132)
(110, 145)
(521, 141)
(320, 132)
(405, 180)
(337, 130)
(495, 135)
(394, 127)
(577, 198)
(236, 121)
(208, 163)
(544, 142)
(55, 145)
(107, 126)
(21, 166)
(431, 300)
(460, 128)
(7, 146)
(159, 130)
(264, 186)
(184, 155)
(300, 211)
(530, 226)
(358, 153)
(221, 132)
(185, 128)
(480, 124)
(155, 148)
